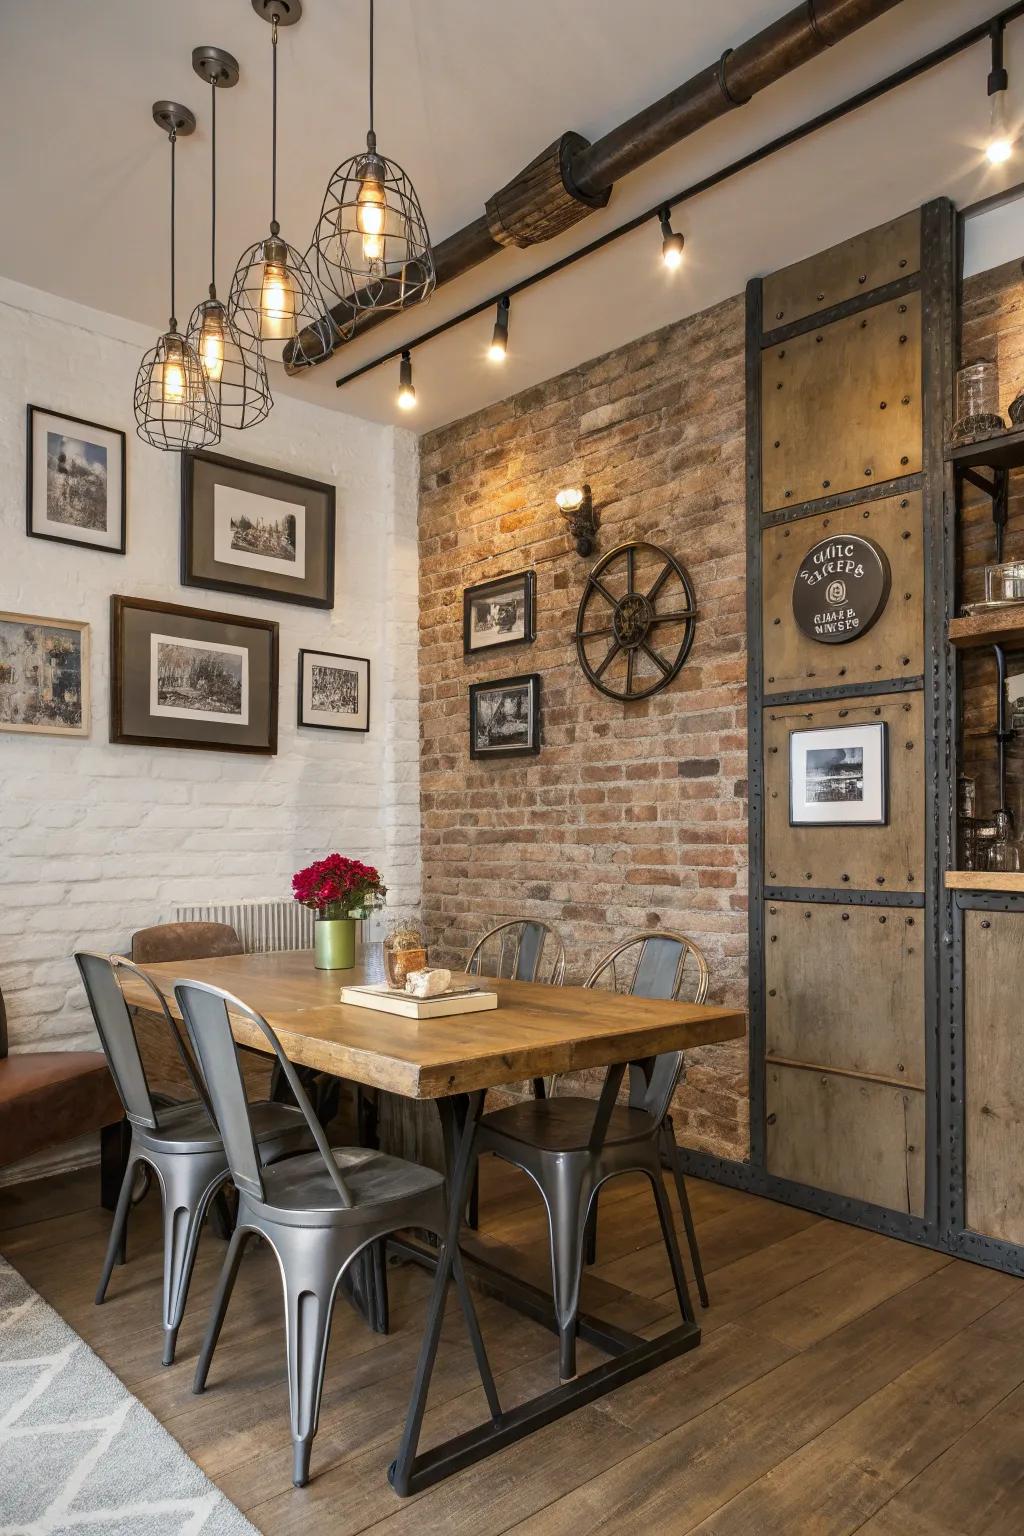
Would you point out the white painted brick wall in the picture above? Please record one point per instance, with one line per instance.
(98, 840)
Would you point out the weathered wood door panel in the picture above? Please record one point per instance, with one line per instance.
(867, 261)
(893, 647)
(994, 1073)
(889, 858)
(841, 406)
(856, 1138)
(845, 988)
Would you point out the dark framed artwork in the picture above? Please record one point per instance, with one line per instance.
(75, 481)
(334, 691)
(257, 531)
(504, 717)
(44, 676)
(839, 776)
(498, 612)
(186, 677)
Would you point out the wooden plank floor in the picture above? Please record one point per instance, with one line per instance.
(846, 1382)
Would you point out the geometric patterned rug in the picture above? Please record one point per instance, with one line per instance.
(78, 1453)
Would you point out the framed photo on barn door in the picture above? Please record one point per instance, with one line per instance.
(839, 776)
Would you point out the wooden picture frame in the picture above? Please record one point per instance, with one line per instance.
(75, 483)
(190, 677)
(316, 714)
(483, 610)
(33, 683)
(839, 776)
(226, 547)
(519, 736)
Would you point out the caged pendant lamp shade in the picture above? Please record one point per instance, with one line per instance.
(175, 407)
(237, 374)
(274, 295)
(371, 245)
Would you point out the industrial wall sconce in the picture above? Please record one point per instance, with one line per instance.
(577, 507)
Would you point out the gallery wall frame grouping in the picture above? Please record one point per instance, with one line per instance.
(333, 691)
(44, 675)
(75, 481)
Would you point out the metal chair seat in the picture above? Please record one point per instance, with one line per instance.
(189, 1128)
(565, 1125)
(303, 1187)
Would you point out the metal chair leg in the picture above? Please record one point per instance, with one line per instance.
(308, 1322)
(186, 1198)
(684, 1207)
(668, 1232)
(590, 1239)
(118, 1228)
(225, 1285)
(567, 1219)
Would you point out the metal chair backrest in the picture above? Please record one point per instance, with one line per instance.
(657, 969)
(206, 1011)
(117, 1036)
(519, 947)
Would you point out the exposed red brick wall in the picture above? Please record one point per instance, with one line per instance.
(632, 816)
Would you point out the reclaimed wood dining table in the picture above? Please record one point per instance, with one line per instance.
(535, 1031)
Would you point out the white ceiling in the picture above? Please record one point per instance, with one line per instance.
(468, 91)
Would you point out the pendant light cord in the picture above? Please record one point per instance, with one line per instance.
(174, 140)
(213, 190)
(371, 66)
(275, 228)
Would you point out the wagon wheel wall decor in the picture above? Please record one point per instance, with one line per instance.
(635, 622)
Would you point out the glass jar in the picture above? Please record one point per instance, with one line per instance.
(977, 401)
(404, 951)
(1005, 583)
(1004, 849)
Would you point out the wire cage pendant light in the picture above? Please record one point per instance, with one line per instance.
(237, 374)
(371, 244)
(274, 295)
(175, 407)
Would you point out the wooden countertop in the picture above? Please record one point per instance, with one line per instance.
(984, 880)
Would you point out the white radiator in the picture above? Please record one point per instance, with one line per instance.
(260, 925)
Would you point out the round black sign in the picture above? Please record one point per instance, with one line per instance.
(841, 587)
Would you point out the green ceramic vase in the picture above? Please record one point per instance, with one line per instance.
(334, 940)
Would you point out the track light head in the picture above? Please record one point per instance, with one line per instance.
(406, 390)
(671, 243)
(498, 349)
(1000, 138)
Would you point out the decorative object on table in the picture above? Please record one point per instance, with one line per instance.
(448, 1004)
(839, 776)
(1004, 583)
(274, 295)
(428, 982)
(504, 717)
(258, 531)
(498, 612)
(341, 892)
(44, 675)
(404, 950)
(977, 402)
(188, 677)
(636, 621)
(576, 504)
(840, 589)
(174, 403)
(75, 481)
(334, 691)
(1003, 850)
(371, 244)
(238, 376)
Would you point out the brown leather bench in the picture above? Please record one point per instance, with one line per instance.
(47, 1097)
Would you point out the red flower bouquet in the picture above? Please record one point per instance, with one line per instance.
(339, 887)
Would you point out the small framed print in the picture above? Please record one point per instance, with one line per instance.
(504, 717)
(257, 531)
(839, 776)
(75, 481)
(44, 675)
(334, 691)
(187, 677)
(498, 612)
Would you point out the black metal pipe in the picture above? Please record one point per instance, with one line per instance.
(871, 93)
(1003, 736)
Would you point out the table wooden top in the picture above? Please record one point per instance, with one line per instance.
(535, 1030)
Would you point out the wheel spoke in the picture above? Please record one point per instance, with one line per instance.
(600, 587)
(613, 651)
(659, 582)
(629, 672)
(663, 666)
(595, 634)
(630, 568)
(673, 618)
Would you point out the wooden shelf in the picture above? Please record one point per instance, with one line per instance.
(994, 626)
(1003, 450)
(984, 880)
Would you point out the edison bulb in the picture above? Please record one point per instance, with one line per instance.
(1000, 145)
(371, 211)
(277, 302)
(211, 346)
(172, 380)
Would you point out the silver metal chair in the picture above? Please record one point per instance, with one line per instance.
(318, 1212)
(571, 1146)
(180, 1142)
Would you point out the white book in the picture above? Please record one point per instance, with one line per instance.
(385, 999)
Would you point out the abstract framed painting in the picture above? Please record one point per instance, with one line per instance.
(334, 691)
(256, 531)
(186, 677)
(44, 675)
(504, 717)
(75, 482)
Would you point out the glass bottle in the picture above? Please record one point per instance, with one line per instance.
(977, 401)
(1004, 850)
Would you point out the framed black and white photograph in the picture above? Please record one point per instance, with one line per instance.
(75, 481)
(257, 531)
(187, 677)
(498, 612)
(334, 691)
(44, 675)
(504, 717)
(839, 776)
